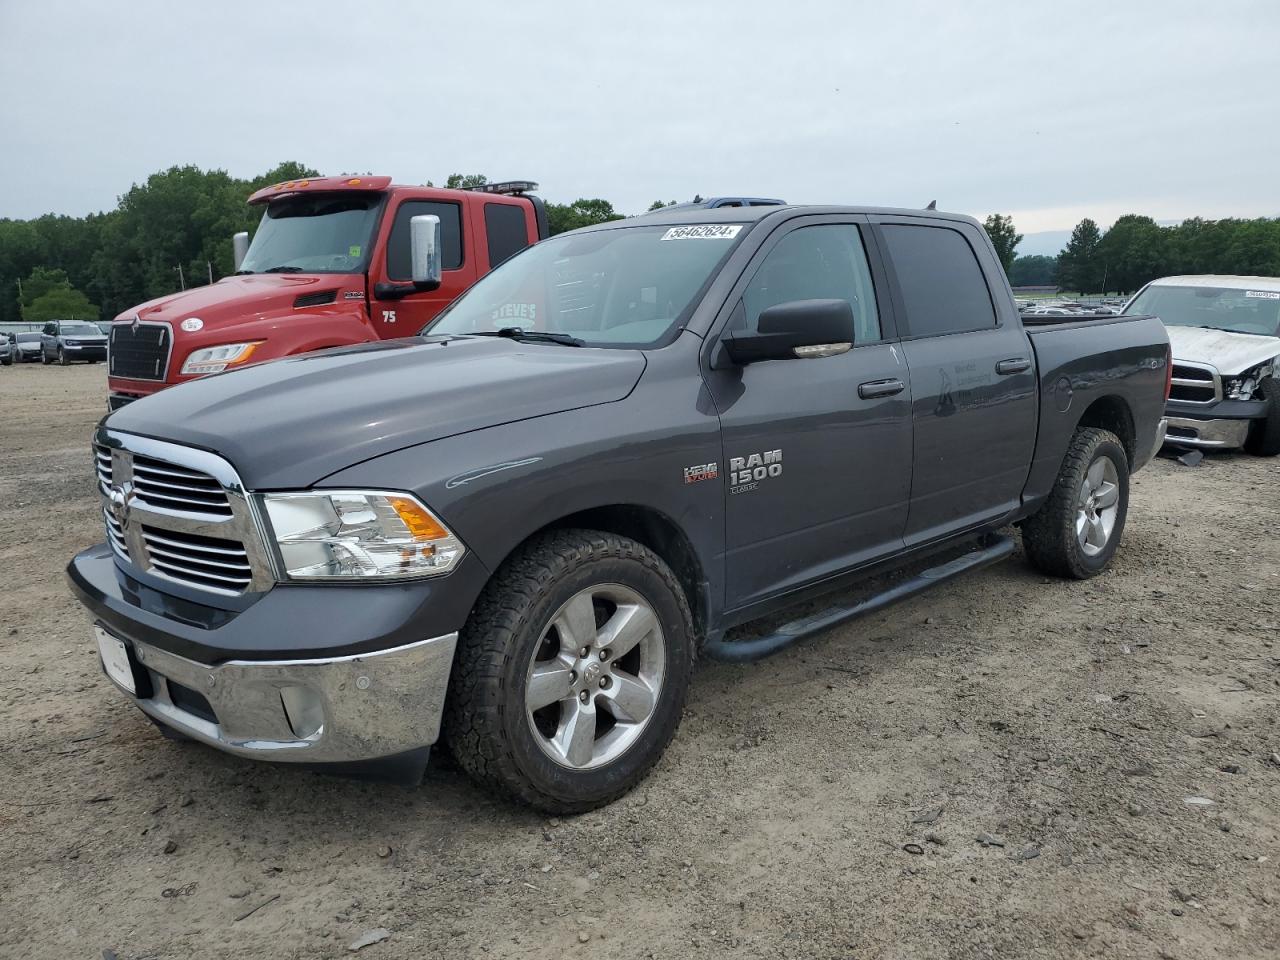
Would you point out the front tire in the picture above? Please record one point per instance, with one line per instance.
(1076, 531)
(1264, 435)
(571, 673)
(62, 358)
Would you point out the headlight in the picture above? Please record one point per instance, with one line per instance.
(217, 359)
(355, 534)
(1241, 389)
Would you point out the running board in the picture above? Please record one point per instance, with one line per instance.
(743, 651)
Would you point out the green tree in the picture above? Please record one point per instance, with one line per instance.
(658, 205)
(61, 303)
(1079, 267)
(1135, 250)
(1004, 237)
(465, 181)
(581, 213)
(1033, 271)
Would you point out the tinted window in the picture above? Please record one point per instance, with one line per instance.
(504, 223)
(943, 288)
(450, 214)
(817, 263)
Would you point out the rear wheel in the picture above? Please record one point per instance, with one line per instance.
(571, 673)
(1076, 531)
(1264, 435)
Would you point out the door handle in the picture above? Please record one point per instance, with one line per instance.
(880, 388)
(1016, 365)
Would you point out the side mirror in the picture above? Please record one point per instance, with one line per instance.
(239, 249)
(424, 251)
(803, 329)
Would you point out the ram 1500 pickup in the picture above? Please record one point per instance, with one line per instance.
(1225, 334)
(518, 537)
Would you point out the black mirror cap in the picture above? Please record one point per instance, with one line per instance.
(784, 327)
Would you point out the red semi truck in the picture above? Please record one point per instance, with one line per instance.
(329, 266)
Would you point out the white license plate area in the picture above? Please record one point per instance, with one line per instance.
(115, 659)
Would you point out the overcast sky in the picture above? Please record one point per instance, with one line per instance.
(1051, 111)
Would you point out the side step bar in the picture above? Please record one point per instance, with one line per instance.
(989, 551)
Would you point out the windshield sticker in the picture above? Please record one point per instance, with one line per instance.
(515, 311)
(704, 231)
(1263, 294)
(353, 251)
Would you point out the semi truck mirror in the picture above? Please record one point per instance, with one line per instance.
(424, 251)
(239, 249)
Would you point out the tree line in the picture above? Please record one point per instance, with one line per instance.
(172, 231)
(1136, 249)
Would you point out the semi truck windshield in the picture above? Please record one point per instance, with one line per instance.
(319, 233)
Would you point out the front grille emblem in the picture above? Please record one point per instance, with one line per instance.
(121, 497)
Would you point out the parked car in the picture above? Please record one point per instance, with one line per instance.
(715, 203)
(524, 533)
(65, 341)
(1225, 333)
(28, 345)
(330, 265)
(8, 349)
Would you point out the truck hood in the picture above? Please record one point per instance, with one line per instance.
(250, 297)
(1231, 353)
(291, 422)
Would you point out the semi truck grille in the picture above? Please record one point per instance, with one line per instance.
(199, 561)
(1194, 383)
(179, 514)
(171, 487)
(139, 351)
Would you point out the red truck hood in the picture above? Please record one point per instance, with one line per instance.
(247, 298)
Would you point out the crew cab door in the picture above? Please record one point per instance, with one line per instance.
(404, 316)
(973, 379)
(817, 452)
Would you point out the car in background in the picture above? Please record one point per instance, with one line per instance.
(1225, 333)
(28, 347)
(67, 340)
(714, 203)
(8, 349)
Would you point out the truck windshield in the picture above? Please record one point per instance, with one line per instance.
(317, 233)
(79, 330)
(626, 287)
(1219, 308)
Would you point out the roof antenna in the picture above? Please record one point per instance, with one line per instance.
(933, 205)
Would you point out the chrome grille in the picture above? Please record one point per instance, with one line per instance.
(102, 465)
(179, 514)
(1195, 383)
(171, 487)
(115, 536)
(200, 561)
(139, 351)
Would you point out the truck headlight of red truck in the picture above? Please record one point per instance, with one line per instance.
(216, 359)
(357, 535)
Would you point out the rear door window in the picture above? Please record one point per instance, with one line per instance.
(505, 229)
(943, 289)
(450, 214)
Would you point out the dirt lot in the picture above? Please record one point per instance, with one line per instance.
(825, 803)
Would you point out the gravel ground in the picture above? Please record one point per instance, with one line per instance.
(1005, 767)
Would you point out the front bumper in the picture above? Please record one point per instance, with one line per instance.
(339, 710)
(1207, 434)
(81, 352)
(330, 675)
(1219, 426)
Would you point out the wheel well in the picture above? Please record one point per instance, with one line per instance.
(657, 532)
(1112, 413)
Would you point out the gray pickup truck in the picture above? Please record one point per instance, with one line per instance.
(517, 539)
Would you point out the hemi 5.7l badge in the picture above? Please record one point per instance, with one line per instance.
(701, 471)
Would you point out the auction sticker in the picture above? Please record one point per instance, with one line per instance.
(704, 231)
(1256, 294)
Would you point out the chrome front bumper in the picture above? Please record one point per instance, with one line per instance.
(1210, 434)
(338, 710)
